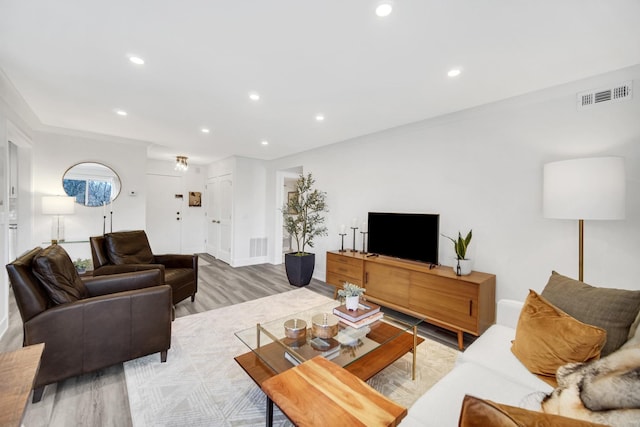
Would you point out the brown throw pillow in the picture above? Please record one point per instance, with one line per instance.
(613, 310)
(482, 413)
(57, 274)
(128, 247)
(547, 338)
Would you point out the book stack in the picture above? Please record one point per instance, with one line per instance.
(366, 314)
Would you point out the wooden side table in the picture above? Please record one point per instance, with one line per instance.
(18, 370)
(320, 393)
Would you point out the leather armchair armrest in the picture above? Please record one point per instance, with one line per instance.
(100, 331)
(113, 283)
(177, 261)
(126, 268)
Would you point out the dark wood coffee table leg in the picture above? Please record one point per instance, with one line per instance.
(269, 412)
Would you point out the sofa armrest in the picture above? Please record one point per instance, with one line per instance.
(508, 312)
(121, 282)
(177, 261)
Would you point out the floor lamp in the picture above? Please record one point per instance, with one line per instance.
(584, 189)
(58, 206)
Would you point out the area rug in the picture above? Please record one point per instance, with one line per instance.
(202, 385)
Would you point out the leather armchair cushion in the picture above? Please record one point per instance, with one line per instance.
(58, 276)
(128, 247)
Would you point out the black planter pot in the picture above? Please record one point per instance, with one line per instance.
(299, 268)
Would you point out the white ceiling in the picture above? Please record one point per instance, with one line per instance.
(69, 60)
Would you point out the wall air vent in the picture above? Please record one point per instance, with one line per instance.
(621, 92)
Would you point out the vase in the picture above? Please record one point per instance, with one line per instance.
(352, 302)
(462, 267)
(299, 268)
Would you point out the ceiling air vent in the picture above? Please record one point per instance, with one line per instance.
(590, 98)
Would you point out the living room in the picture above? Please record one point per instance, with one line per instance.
(480, 168)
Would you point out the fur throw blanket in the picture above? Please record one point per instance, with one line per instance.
(605, 391)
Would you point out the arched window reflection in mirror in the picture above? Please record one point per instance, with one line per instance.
(92, 184)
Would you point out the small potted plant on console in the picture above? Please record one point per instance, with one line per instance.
(351, 293)
(460, 245)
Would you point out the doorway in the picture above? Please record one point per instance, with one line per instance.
(285, 183)
(220, 217)
(165, 203)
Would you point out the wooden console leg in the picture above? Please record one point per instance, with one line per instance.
(461, 340)
(163, 356)
(37, 394)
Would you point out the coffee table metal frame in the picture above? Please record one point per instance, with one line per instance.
(388, 331)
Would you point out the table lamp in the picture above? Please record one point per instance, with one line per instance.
(584, 189)
(58, 206)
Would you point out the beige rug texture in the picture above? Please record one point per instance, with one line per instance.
(202, 385)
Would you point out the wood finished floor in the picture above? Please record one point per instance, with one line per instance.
(100, 398)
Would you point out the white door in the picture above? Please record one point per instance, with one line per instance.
(164, 213)
(212, 215)
(219, 217)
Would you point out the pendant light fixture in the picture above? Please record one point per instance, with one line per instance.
(181, 163)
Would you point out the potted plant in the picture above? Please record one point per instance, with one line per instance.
(460, 245)
(303, 220)
(82, 265)
(351, 293)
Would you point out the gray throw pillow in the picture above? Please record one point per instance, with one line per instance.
(613, 310)
(58, 276)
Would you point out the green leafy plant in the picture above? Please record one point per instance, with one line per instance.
(460, 245)
(303, 214)
(350, 290)
(82, 264)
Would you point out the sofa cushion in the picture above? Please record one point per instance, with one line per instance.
(547, 338)
(492, 350)
(477, 412)
(58, 276)
(613, 310)
(128, 247)
(440, 405)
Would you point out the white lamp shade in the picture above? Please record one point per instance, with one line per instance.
(591, 188)
(58, 205)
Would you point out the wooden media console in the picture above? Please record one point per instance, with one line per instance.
(457, 303)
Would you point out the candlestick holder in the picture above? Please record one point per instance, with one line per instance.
(104, 225)
(364, 238)
(354, 239)
(111, 222)
(342, 249)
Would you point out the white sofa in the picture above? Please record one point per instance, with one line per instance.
(486, 369)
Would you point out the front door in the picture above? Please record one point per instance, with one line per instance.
(165, 202)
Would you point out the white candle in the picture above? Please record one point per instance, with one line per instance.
(364, 226)
(104, 209)
(343, 229)
(354, 223)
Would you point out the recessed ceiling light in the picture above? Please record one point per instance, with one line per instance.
(254, 96)
(319, 117)
(121, 113)
(384, 9)
(136, 60)
(205, 130)
(264, 142)
(454, 72)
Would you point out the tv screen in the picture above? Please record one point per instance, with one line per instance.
(412, 236)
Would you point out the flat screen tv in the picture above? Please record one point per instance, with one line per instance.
(412, 236)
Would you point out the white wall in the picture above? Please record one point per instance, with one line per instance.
(482, 169)
(54, 153)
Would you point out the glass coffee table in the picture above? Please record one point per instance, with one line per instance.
(364, 351)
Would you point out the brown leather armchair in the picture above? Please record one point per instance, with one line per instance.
(88, 323)
(130, 251)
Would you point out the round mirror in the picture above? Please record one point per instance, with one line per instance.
(92, 184)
